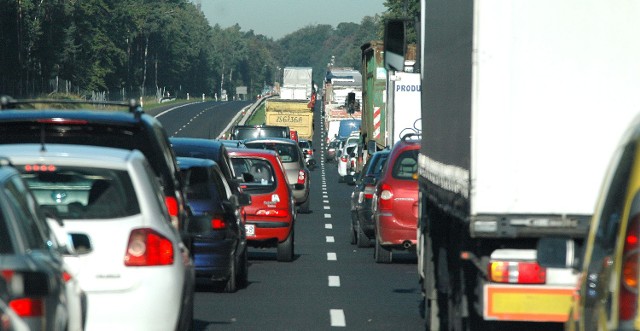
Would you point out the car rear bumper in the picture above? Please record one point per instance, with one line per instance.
(268, 230)
(390, 232)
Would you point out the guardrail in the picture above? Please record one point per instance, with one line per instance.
(242, 117)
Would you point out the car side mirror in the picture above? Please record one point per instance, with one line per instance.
(557, 253)
(298, 186)
(244, 199)
(247, 177)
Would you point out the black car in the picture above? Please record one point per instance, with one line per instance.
(131, 129)
(362, 227)
(242, 132)
(31, 262)
(216, 229)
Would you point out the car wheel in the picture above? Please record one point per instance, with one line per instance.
(231, 285)
(362, 239)
(382, 254)
(304, 207)
(285, 249)
(352, 233)
(243, 274)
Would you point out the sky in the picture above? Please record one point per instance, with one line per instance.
(277, 18)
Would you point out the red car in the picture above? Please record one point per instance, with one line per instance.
(271, 215)
(395, 202)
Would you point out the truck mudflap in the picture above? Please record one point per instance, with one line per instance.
(527, 303)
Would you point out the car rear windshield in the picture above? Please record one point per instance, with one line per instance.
(264, 179)
(406, 165)
(82, 193)
(288, 152)
(263, 132)
(202, 184)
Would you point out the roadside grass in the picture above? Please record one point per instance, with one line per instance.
(258, 117)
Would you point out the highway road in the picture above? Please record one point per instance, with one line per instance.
(330, 284)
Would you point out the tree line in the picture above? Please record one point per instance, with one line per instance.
(131, 48)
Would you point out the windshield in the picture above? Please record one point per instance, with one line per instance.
(263, 132)
(288, 152)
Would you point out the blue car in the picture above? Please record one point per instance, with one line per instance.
(215, 228)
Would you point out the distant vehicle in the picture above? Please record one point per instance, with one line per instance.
(131, 253)
(331, 150)
(348, 126)
(395, 201)
(362, 226)
(242, 132)
(307, 150)
(271, 216)
(32, 266)
(294, 164)
(216, 228)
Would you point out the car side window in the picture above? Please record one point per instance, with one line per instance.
(6, 246)
(18, 198)
(406, 165)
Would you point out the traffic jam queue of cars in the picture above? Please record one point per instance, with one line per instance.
(78, 184)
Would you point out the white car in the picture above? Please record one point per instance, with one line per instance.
(130, 261)
(346, 162)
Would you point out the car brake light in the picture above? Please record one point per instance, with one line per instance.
(28, 307)
(148, 248)
(172, 205)
(273, 212)
(343, 158)
(217, 223)
(368, 191)
(386, 194)
(628, 299)
(66, 276)
(301, 177)
(58, 120)
(40, 167)
(517, 272)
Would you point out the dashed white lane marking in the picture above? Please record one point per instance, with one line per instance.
(331, 239)
(337, 318)
(325, 196)
(327, 207)
(327, 215)
(332, 256)
(325, 201)
(334, 281)
(328, 226)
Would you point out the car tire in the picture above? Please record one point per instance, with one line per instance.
(304, 207)
(381, 254)
(243, 274)
(352, 234)
(285, 249)
(362, 239)
(231, 285)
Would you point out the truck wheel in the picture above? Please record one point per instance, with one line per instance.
(382, 254)
(363, 240)
(285, 249)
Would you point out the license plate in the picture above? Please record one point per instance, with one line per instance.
(250, 229)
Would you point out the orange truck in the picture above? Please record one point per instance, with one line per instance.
(295, 114)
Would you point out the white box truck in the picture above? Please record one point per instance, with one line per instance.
(523, 103)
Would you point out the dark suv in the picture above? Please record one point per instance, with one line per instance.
(128, 130)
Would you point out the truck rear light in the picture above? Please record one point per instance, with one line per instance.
(148, 248)
(28, 307)
(217, 222)
(301, 177)
(386, 195)
(517, 272)
(368, 191)
(628, 299)
(273, 212)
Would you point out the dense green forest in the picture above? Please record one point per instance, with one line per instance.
(127, 48)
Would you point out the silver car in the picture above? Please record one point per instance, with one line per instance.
(294, 165)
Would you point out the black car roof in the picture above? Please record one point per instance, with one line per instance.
(190, 162)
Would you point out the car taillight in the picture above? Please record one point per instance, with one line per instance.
(273, 212)
(514, 272)
(172, 205)
(368, 191)
(148, 248)
(28, 307)
(66, 276)
(217, 222)
(628, 299)
(343, 158)
(353, 163)
(301, 177)
(385, 198)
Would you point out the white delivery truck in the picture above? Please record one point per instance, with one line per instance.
(523, 103)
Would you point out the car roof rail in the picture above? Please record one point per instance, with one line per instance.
(134, 107)
(411, 136)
